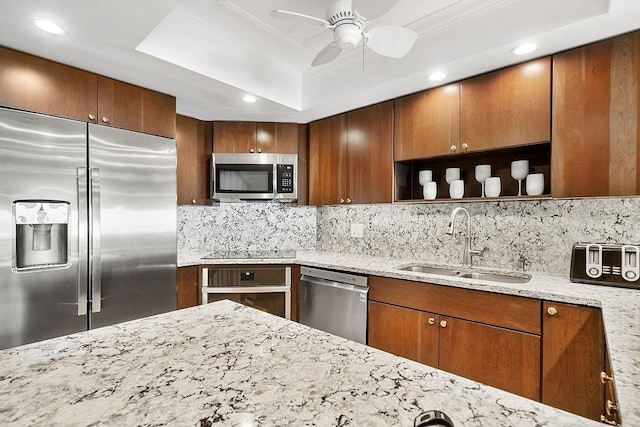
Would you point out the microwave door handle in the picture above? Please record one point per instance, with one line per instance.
(95, 265)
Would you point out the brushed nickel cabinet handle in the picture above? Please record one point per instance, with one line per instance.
(465, 146)
(341, 200)
(454, 148)
(348, 200)
(105, 119)
(92, 117)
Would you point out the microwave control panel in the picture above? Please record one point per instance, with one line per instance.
(285, 178)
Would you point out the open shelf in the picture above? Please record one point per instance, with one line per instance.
(539, 155)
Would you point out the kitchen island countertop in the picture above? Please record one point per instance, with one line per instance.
(620, 306)
(226, 364)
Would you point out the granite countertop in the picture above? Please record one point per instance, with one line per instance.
(226, 364)
(620, 306)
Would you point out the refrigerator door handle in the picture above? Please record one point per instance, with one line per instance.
(81, 173)
(95, 272)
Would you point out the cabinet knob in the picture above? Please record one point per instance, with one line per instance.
(259, 150)
(552, 311)
(252, 151)
(454, 148)
(348, 200)
(341, 200)
(92, 117)
(105, 119)
(443, 323)
(194, 201)
(465, 146)
(432, 320)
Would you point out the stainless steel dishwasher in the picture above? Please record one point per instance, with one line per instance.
(334, 302)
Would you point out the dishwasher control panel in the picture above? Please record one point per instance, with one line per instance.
(334, 276)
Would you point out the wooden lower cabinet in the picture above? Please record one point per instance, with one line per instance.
(404, 332)
(573, 356)
(502, 358)
(188, 286)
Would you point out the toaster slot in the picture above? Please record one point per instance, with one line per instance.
(593, 264)
(630, 263)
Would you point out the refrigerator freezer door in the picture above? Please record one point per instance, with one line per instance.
(137, 223)
(39, 161)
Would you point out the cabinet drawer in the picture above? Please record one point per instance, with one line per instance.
(507, 311)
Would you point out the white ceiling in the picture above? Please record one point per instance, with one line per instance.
(209, 53)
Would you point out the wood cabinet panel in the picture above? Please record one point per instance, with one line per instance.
(404, 332)
(234, 137)
(370, 154)
(287, 135)
(119, 104)
(193, 142)
(265, 138)
(158, 113)
(596, 107)
(427, 124)
(507, 311)
(327, 160)
(572, 358)
(507, 107)
(36, 84)
(188, 286)
(303, 164)
(499, 357)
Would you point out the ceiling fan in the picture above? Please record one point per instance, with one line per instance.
(350, 28)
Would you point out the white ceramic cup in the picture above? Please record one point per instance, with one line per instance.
(430, 190)
(492, 186)
(535, 184)
(425, 176)
(456, 189)
(451, 174)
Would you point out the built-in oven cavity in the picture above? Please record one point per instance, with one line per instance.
(41, 234)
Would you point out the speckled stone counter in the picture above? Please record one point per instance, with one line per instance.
(620, 306)
(226, 364)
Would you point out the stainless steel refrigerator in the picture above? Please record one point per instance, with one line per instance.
(87, 226)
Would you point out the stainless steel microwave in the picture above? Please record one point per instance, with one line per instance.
(254, 176)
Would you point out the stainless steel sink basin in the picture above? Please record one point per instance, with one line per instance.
(468, 274)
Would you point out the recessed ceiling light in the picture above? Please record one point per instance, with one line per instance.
(437, 76)
(525, 48)
(48, 26)
(249, 98)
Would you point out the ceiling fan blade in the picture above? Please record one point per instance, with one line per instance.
(327, 54)
(394, 42)
(372, 9)
(288, 14)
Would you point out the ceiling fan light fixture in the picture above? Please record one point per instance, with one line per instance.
(525, 48)
(49, 26)
(437, 76)
(347, 36)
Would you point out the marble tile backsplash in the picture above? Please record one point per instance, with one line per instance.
(541, 231)
(246, 226)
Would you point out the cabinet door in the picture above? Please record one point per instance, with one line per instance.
(508, 107)
(188, 286)
(287, 135)
(499, 357)
(158, 113)
(427, 124)
(572, 359)
(119, 104)
(327, 160)
(35, 84)
(404, 332)
(596, 107)
(370, 154)
(193, 142)
(234, 137)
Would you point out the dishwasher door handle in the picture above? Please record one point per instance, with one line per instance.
(332, 284)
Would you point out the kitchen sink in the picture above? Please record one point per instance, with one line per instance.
(468, 274)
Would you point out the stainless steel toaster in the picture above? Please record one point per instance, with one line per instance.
(611, 264)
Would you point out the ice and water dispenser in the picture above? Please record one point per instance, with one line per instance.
(41, 231)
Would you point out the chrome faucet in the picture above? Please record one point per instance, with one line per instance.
(467, 255)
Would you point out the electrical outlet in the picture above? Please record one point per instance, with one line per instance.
(357, 231)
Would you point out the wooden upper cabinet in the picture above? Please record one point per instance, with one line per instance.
(36, 84)
(596, 111)
(119, 104)
(370, 154)
(573, 355)
(252, 137)
(427, 124)
(506, 108)
(327, 160)
(193, 142)
(158, 113)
